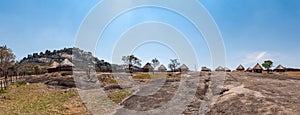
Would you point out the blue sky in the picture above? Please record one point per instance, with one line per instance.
(252, 30)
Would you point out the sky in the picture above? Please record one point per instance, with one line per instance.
(252, 30)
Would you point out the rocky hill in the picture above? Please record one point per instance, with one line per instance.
(80, 58)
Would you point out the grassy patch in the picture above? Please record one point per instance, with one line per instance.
(35, 99)
(142, 76)
(3, 91)
(109, 80)
(154, 76)
(119, 95)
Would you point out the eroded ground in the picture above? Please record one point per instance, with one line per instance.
(236, 93)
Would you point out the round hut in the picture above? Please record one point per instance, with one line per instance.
(148, 68)
(249, 69)
(205, 69)
(66, 67)
(257, 68)
(220, 68)
(183, 68)
(227, 69)
(162, 68)
(240, 68)
(280, 68)
(53, 67)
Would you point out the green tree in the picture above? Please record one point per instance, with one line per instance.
(7, 59)
(268, 64)
(131, 61)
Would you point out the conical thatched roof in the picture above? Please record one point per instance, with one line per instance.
(148, 66)
(184, 67)
(220, 68)
(54, 65)
(226, 69)
(279, 67)
(257, 67)
(205, 69)
(65, 63)
(249, 69)
(240, 67)
(162, 67)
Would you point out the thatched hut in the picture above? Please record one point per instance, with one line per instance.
(66, 67)
(183, 68)
(257, 68)
(279, 68)
(220, 68)
(205, 69)
(249, 69)
(227, 69)
(53, 67)
(162, 68)
(148, 68)
(240, 68)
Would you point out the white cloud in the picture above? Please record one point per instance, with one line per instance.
(256, 57)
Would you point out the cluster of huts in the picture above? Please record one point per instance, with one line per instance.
(257, 69)
(65, 67)
(149, 68)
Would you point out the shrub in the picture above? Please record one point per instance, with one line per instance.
(142, 76)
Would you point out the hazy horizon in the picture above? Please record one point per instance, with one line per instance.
(252, 30)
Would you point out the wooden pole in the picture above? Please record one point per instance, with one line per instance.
(1, 85)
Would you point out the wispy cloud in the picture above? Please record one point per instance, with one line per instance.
(256, 57)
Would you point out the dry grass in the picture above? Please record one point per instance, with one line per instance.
(292, 73)
(118, 95)
(155, 76)
(39, 99)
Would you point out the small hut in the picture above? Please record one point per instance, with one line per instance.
(53, 67)
(249, 69)
(220, 68)
(66, 67)
(148, 68)
(279, 68)
(257, 68)
(183, 68)
(162, 68)
(240, 68)
(227, 69)
(205, 69)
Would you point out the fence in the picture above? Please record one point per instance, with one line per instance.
(6, 81)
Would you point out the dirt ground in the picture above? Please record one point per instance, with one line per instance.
(241, 93)
(237, 93)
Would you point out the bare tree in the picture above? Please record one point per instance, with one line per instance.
(7, 59)
(174, 64)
